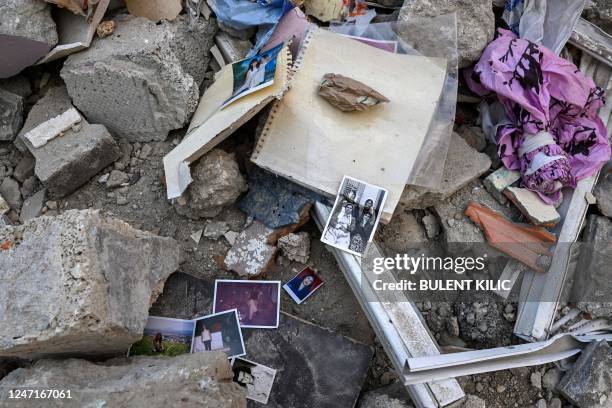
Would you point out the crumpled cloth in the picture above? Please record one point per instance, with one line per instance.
(545, 97)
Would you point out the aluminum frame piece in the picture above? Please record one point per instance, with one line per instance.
(540, 293)
(397, 323)
(436, 368)
(592, 40)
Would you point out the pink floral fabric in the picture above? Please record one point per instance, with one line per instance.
(542, 92)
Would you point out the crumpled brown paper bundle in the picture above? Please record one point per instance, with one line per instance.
(348, 94)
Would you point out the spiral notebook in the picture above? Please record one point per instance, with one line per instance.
(310, 142)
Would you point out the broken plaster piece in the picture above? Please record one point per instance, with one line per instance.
(43, 133)
(196, 236)
(348, 94)
(527, 244)
(531, 205)
(252, 253)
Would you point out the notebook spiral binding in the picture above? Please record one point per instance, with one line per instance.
(295, 66)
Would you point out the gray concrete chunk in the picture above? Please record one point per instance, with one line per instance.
(589, 383)
(69, 161)
(27, 32)
(463, 164)
(78, 284)
(32, 206)
(189, 381)
(143, 80)
(11, 114)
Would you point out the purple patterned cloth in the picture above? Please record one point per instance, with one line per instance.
(556, 137)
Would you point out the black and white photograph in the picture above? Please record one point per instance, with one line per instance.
(256, 378)
(355, 215)
(219, 332)
(302, 285)
(254, 73)
(257, 302)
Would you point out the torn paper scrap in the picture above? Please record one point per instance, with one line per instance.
(75, 6)
(348, 94)
(41, 134)
(154, 10)
(527, 244)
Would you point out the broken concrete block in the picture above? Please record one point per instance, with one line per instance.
(90, 282)
(344, 370)
(117, 178)
(9, 189)
(27, 33)
(296, 247)
(215, 229)
(217, 182)
(403, 233)
(25, 168)
(463, 164)
(67, 162)
(189, 380)
(143, 80)
(41, 134)
(252, 254)
(532, 207)
(32, 206)
(603, 195)
(231, 237)
(589, 382)
(347, 94)
(499, 180)
(276, 201)
(475, 23)
(372, 400)
(11, 114)
(460, 234)
(55, 102)
(591, 291)
(19, 85)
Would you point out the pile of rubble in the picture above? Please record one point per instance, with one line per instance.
(137, 172)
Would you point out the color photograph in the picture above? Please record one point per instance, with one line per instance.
(302, 285)
(254, 73)
(219, 332)
(164, 336)
(257, 302)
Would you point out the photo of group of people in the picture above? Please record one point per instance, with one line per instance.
(355, 215)
(257, 302)
(254, 73)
